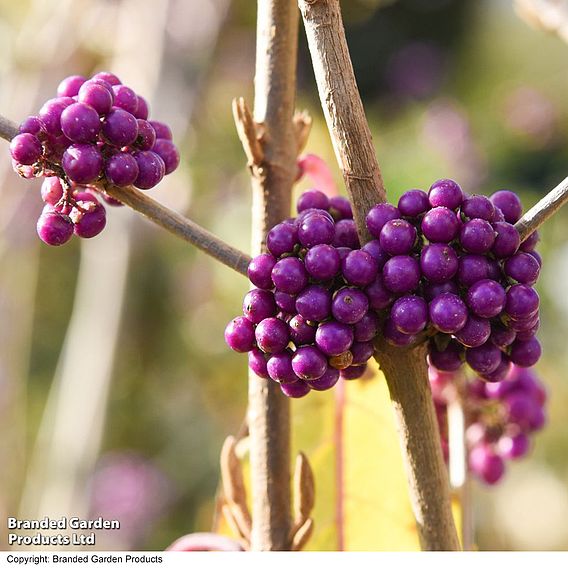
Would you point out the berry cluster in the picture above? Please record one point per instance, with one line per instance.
(309, 321)
(452, 267)
(95, 131)
(500, 418)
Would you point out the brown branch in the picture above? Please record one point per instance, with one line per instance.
(405, 369)
(273, 171)
(170, 220)
(543, 210)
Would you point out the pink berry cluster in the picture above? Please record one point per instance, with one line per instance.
(451, 268)
(500, 418)
(95, 132)
(308, 322)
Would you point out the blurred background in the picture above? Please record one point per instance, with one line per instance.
(116, 388)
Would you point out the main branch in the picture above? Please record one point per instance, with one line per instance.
(271, 145)
(405, 369)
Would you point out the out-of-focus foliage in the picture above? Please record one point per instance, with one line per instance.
(453, 88)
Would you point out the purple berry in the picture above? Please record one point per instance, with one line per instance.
(146, 138)
(25, 148)
(475, 332)
(515, 446)
(413, 203)
(486, 298)
(82, 163)
(326, 381)
(260, 270)
(259, 305)
(168, 151)
(279, 368)
(142, 110)
(525, 353)
(397, 237)
(486, 465)
(96, 95)
(272, 335)
(395, 337)
(120, 128)
(282, 239)
(309, 363)
(322, 262)
(445, 193)
(80, 123)
(125, 98)
(431, 290)
(507, 240)
(477, 236)
(409, 314)
(472, 268)
(523, 268)
(440, 225)
(90, 220)
(162, 130)
(349, 305)
(54, 228)
(359, 268)
(32, 125)
(401, 274)
(367, 328)
(448, 360)
(50, 114)
(522, 301)
(285, 302)
(334, 338)
(314, 303)
(346, 234)
(448, 313)
(378, 294)
(121, 169)
(509, 204)
(375, 250)
(151, 169)
(301, 332)
(340, 208)
(353, 372)
(289, 275)
(315, 229)
(501, 336)
(51, 190)
(312, 199)
(362, 351)
(239, 334)
(478, 207)
(70, 86)
(438, 262)
(110, 78)
(379, 215)
(295, 390)
(529, 244)
(483, 359)
(257, 363)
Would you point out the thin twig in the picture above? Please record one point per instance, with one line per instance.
(405, 369)
(543, 210)
(170, 220)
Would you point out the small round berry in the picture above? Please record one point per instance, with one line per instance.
(51, 190)
(142, 110)
(315, 230)
(362, 351)
(472, 268)
(340, 208)
(409, 314)
(162, 130)
(25, 148)
(376, 251)
(90, 220)
(349, 305)
(32, 125)
(397, 237)
(440, 225)
(529, 244)
(525, 353)
(54, 229)
(395, 337)
(401, 274)
(279, 368)
(120, 128)
(367, 328)
(431, 290)
(257, 363)
(239, 334)
(282, 239)
(80, 123)
(82, 163)
(70, 86)
(309, 363)
(168, 151)
(312, 199)
(346, 234)
(151, 169)
(359, 268)
(379, 215)
(314, 303)
(121, 169)
(512, 447)
(477, 236)
(438, 262)
(478, 207)
(486, 298)
(522, 301)
(449, 359)
(326, 381)
(509, 204)
(301, 332)
(322, 262)
(260, 269)
(448, 313)
(501, 336)
(96, 95)
(483, 359)
(500, 373)
(50, 114)
(445, 193)
(413, 203)
(272, 335)
(258, 305)
(298, 389)
(125, 98)
(379, 295)
(285, 302)
(475, 332)
(353, 372)
(522, 267)
(146, 138)
(334, 338)
(289, 275)
(486, 465)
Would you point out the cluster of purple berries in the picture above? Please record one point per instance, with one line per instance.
(452, 268)
(308, 322)
(95, 131)
(500, 418)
